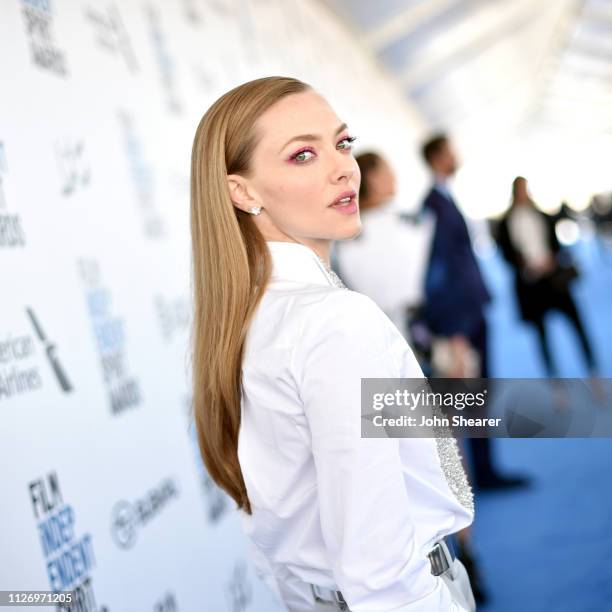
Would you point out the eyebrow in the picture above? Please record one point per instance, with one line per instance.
(312, 136)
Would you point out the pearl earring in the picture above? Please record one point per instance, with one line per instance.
(255, 210)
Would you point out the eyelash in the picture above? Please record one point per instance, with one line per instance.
(351, 140)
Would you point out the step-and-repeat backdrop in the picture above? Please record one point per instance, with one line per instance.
(101, 485)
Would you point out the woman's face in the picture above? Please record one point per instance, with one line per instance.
(301, 166)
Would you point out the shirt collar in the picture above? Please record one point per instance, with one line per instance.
(292, 261)
(441, 185)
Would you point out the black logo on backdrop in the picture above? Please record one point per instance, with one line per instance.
(111, 34)
(191, 11)
(11, 232)
(15, 377)
(143, 178)
(50, 351)
(128, 517)
(215, 498)
(166, 604)
(165, 62)
(69, 557)
(174, 315)
(109, 331)
(238, 590)
(74, 170)
(124, 524)
(3, 171)
(195, 16)
(38, 20)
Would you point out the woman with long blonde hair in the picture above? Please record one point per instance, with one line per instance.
(335, 521)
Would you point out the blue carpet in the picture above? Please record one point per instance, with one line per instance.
(549, 547)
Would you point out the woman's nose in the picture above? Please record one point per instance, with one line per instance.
(345, 167)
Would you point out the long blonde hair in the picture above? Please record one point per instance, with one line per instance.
(230, 271)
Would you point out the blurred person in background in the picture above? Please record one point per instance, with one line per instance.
(387, 262)
(542, 271)
(456, 296)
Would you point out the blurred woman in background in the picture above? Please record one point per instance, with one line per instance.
(542, 277)
(387, 260)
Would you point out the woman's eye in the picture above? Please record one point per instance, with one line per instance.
(301, 156)
(350, 140)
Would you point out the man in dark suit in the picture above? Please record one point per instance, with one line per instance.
(456, 295)
(455, 300)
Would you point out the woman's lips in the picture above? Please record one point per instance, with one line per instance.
(347, 208)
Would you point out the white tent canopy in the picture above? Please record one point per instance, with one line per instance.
(524, 86)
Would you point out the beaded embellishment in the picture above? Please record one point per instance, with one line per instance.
(450, 460)
(335, 279)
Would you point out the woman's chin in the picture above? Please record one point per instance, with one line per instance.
(349, 230)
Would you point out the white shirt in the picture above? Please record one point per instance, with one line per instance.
(528, 234)
(330, 507)
(388, 260)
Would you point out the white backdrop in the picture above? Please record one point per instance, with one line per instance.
(102, 485)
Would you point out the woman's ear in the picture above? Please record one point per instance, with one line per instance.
(241, 193)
